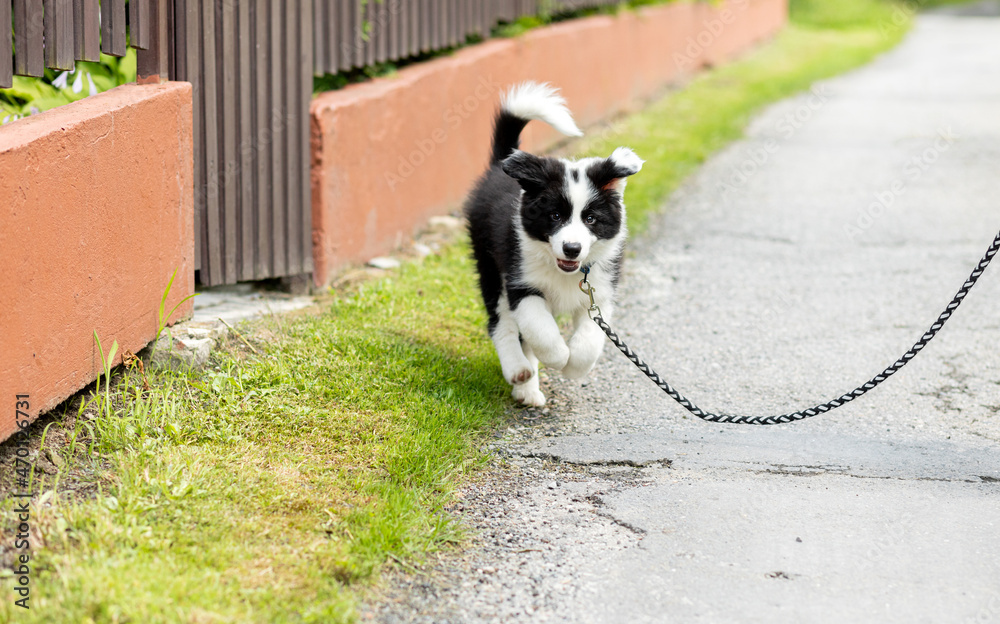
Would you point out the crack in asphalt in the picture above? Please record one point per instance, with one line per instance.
(814, 470)
(621, 523)
(598, 502)
(665, 463)
(793, 473)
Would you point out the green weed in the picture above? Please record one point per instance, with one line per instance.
(162, 316)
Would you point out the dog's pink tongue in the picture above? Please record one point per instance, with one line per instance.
(568, 265)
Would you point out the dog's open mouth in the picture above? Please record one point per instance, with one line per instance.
(568, 265)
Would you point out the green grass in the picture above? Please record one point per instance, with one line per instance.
(259, 490)
(860, 13)
(275, 487)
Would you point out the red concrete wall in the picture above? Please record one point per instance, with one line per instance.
(390, 153)
(97, 214)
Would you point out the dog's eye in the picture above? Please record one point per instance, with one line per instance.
(589, 219)
(555, 216)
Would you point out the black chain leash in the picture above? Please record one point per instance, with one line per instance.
(595, 315)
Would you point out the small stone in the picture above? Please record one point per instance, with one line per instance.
(384, 262)
(181, 353)
(56, 460)
(422, 250)
(212, 328)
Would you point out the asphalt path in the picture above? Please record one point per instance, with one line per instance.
(792, 267)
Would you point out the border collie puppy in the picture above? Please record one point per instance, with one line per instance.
(534, 222)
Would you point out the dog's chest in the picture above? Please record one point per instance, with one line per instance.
(562, 291)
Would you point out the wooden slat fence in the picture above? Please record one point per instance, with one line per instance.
(351, 34)
(250, 63)
(57, 33)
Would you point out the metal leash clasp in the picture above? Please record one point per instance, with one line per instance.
(588, 290)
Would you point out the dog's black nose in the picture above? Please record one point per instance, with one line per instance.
(572, 250)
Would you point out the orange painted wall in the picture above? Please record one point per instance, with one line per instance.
(390, 153)
(97, 213)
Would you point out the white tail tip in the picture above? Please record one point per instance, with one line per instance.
(541, 101)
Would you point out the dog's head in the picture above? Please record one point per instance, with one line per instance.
(573, 206)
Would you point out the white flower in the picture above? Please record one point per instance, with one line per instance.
(78, 83)
(61, 80)
(93, 87)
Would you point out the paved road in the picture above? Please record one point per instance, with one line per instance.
(794, 266)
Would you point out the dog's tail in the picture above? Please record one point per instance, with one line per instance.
(521, 104)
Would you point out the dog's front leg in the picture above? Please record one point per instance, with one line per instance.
(541, 332)
(516, 366)
(585, 345)
(528, 392)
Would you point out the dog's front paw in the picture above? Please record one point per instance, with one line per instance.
(578, 365)
(554, 356)
(584, 350)
(529, 395)
(521, 376)
(515, 367)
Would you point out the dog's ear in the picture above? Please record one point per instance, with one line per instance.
(527, 169)
(610, 173)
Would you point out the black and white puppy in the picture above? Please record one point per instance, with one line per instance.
(534, 222)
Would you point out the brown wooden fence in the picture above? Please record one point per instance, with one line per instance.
(251, 67)
(349, 34)
(251, 63)
(57, 33)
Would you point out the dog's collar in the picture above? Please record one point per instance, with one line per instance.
(585, 269)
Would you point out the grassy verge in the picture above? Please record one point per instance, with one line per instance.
(274, 486)
(259, 490)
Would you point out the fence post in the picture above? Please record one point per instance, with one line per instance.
(153, 63)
